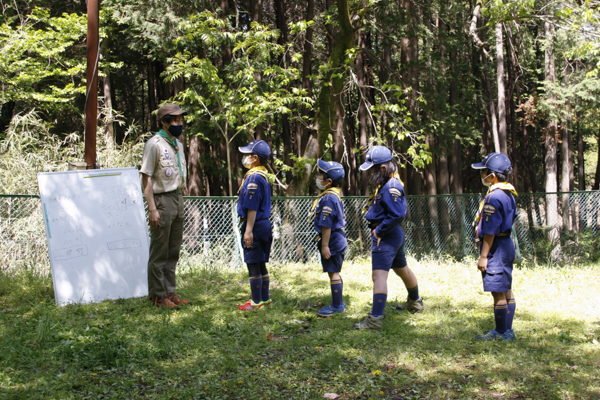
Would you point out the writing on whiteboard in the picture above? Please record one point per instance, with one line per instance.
(71, 252)
(124, 244)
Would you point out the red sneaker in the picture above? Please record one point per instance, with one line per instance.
(249, 306)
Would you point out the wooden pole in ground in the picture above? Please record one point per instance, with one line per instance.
(91, 104)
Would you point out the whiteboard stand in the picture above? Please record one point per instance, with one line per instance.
(97, 234)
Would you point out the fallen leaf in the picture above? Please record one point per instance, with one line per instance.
(275, 338)
(331, 395)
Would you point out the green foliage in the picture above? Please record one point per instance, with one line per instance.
(41, 60)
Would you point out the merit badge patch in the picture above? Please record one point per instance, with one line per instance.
(252, 186)
(168, 172)
(327, 210)
(489, 209)
(395, 192)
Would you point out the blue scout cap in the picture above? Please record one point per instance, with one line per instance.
(334, 169)
(258, 147)
(496, 162)
(377, 155)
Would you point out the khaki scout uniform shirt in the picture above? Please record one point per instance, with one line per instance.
(159, 162)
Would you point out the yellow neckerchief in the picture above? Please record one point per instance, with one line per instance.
(333, 190)
(372, 197)
(256, 170)
(499, 185)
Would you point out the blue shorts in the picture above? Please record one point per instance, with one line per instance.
(261, 245)
(334, 264)
(498, 274)
(390, 253)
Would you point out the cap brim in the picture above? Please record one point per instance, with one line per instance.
(478, 165)
(245, 150)
(366, 165)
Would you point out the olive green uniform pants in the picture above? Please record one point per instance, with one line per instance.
(165, 243)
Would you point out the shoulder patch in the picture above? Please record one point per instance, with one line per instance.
(489, 209)
(252, 186)
(395, 192)
(327, 210)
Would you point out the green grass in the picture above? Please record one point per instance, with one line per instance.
(129, 350)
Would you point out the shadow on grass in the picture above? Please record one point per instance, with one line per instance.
(210, 350)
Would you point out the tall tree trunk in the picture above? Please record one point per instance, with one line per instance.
(362, 70)
(195, 177)
(501, 92)
(580, 158)
(552, 216)
(565, 175)
(597, 176)
(256, 10)
(110, 138)
(330, 114)
(151, 94)
(285, 122)
(494, 121)
(456, 184)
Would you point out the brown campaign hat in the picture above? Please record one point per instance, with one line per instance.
(169, 109)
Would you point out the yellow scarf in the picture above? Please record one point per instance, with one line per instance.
(333, 190)
(372, 197)
(499, 185)
(256, 170)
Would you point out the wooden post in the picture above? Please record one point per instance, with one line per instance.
(91, 104)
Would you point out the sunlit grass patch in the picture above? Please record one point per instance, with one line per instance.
(210, 350)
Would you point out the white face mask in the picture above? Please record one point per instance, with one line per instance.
(320, 184)
(486, 183)
(246, 162)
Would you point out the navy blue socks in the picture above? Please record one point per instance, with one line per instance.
(337, 287)
(500, 313)
(379, 300)
(265, 288)
(413, 293)
(256, 288)
(511, 313)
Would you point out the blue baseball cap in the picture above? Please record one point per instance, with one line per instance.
(377, 155)
(334, 169)
(496, 162)
(258, 147)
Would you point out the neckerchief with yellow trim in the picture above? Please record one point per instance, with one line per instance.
(256, 170)
(372, 197)
(333, 190)
(499, 185)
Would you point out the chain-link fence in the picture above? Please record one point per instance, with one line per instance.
(549, 226)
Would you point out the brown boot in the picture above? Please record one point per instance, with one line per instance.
(164, 303)
(177, 300)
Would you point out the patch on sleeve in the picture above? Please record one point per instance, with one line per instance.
(395, 192)
(252, 186)
(489, 209)
(327, 210)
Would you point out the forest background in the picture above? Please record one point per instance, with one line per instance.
(441, 82)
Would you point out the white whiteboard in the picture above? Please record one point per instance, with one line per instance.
(97, 234)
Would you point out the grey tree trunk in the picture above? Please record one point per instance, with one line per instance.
(552, 216)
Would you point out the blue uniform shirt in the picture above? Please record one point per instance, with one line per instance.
(255, 194)
(388, 209)
(498, 214)
(329, 213)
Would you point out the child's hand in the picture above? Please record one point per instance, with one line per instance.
(248, 239)
(378, 238)
(325, 252)
(482, 263)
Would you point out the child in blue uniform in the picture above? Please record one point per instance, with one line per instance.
(254, 209)
(386, 211)
(494, 221)
(328, 212)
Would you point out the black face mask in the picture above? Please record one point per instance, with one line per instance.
(176, 130)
